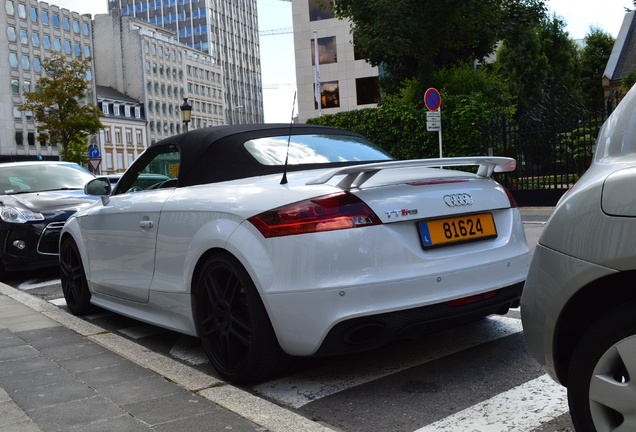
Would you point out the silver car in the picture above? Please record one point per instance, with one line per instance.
(579, 301)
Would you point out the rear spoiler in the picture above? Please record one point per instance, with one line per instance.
(355, 176)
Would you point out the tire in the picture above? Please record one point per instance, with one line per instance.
(232, 322)
(601, 393)
(73, 278)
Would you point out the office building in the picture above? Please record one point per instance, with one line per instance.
(227, 31)
(145, 63)
(31, 31)
(347, 81)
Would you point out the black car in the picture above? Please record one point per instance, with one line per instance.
(36, 198)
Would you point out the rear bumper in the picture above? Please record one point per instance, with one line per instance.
(369, 332)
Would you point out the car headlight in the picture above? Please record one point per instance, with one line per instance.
(18, 215)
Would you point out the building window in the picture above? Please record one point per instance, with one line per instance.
(105, 108)
(31, 139)
(367, 90)
(319, 10)
(19, 138)
(137, 112)
(17, 114)
(67, 47)
(66, 23)
(138, 135)
(34, 14)
(107, 136)
(13, 60)
(109, 161)
(46, 41)
(56, 21)
(8, 6)
(117, 136)
(116, 109)
(85, 29)
(11, 34)
(36, 64)
(327, 51)
(45, 17)
(127, 110)
(22, 11)
(329, 95)
(35, 39)
(76, 26)
(128, 137)
(15, 86)
(57, 44)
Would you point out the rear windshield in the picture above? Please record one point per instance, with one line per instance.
(314, 149)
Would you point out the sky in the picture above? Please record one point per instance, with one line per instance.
(277, 50)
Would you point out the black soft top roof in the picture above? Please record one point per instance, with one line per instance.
(215, 154)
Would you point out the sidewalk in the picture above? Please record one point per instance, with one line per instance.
(60, 373)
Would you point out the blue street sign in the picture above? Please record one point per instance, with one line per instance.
(93, 152)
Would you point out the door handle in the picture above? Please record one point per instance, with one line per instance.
(145, 224)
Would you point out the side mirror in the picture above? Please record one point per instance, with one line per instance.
(99, 187)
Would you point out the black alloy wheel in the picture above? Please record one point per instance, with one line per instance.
(73, 278)
(233, 325)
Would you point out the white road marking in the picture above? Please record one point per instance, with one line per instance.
(524, 407)
(58, 301)
(140, 331)
(189, 350)
(303, 388)
(28, 285)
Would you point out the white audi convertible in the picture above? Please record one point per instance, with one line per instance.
(270, 241)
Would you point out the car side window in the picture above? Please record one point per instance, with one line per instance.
(157, 168)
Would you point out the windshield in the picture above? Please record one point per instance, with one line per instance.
(314, 149)
(15, 179)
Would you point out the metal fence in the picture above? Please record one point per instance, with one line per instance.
(553, 147)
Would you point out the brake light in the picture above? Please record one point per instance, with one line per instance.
(513, 202)
(472, 299)
(331, 212)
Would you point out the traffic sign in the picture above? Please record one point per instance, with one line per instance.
(433, 126)
(433, 115)
(432, 99)
(93, 153)
(94, 163)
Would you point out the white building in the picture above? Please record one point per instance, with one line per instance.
(31, 31)
(347, 81)
(145, 63)
(124, 136)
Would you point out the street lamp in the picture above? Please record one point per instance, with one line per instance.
(186, 110)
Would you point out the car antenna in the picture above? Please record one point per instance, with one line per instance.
(284, 179)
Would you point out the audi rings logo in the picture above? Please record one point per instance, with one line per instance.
(457, 200)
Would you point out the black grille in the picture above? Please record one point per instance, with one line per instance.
(49, 240)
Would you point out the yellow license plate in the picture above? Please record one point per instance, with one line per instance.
(441, 232)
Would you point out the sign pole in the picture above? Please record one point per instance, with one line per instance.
(433, 102)
(439, 110)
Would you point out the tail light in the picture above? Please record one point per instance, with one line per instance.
(331, 212)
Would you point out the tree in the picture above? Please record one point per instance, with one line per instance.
(414, 38)
(594, 58)
(58, 107)
(537, 60)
